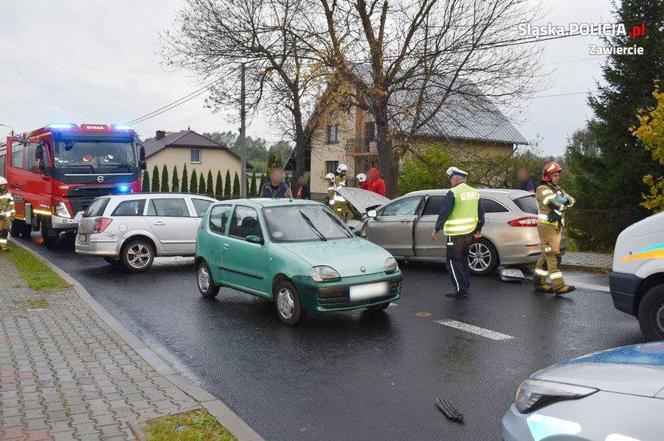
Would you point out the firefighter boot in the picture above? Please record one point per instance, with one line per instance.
(3, 239)
(539, 278)
(565, 289)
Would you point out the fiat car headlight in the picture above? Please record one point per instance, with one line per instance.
(533, 394)
(391, 265)
(61, 209)
(324, 273)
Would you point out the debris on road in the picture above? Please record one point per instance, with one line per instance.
(449, 411)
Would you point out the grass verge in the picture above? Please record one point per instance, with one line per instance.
(195, 425)
(36, 273)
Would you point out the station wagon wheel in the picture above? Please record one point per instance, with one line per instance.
(287, 302)
(206, 285)
(137, 255)
(482, 257)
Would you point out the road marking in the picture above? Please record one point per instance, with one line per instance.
(493, 335)
(589, 286)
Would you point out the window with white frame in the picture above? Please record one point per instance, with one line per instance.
(195, 156)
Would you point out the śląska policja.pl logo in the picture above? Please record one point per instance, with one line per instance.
(602, 30)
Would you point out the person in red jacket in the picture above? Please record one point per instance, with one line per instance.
(375, 182)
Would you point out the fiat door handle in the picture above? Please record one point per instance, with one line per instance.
(227, 246)
(159, 223)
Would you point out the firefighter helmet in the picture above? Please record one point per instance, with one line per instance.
(361, 178)
(329, 177)
(3, 181)
(550, 167)
(342, 168)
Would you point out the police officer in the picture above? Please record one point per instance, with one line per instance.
(552, 201)
(461, 218)
(7, 213)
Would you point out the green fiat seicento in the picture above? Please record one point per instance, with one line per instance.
(295, 253)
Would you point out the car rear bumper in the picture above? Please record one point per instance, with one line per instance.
(623, 288)
(94, 247)
(335, 296)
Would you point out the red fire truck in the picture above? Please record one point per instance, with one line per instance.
(56, 171)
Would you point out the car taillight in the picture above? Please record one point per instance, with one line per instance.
(527, 221)
(101, 223)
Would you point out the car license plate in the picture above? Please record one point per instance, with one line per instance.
(368, 291)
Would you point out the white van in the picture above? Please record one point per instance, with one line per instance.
(637, 279)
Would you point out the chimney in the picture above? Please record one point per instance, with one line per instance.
(160, 134)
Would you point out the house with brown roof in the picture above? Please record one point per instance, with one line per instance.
(468, 123)
(193, 149)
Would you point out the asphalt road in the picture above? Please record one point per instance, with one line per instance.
(354, 376)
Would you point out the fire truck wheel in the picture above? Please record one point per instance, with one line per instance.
(27, 231)
(51, 236)
(16, 228)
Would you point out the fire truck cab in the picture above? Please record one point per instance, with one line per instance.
(56, 171)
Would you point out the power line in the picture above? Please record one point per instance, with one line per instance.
(200, 91)
(190, 96)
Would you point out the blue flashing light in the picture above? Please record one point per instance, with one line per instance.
(123, 188)
(61, 126)
(122, 127)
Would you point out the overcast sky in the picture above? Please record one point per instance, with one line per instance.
(97, 61)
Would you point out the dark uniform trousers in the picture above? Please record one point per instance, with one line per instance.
(457, 260)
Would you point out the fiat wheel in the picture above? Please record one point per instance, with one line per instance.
(287, 302)
(482, 257)
(206, 285)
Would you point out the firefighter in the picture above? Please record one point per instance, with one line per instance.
(362, 180)
(340, 178)
(7, 213)
(461, 217)
(552, 201)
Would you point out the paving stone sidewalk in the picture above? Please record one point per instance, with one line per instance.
(65, 375)
(588, 260)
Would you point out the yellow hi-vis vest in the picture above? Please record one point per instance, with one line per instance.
(464, 216)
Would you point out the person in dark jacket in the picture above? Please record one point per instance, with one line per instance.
(303, 191)
(276, 187)
(526, 180)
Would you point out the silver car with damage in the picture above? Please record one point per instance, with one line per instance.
(614, 395)
(403, 227)
(133, 229)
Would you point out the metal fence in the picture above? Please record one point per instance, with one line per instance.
(597, 230)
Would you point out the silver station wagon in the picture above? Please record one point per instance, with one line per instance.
(132, 230)
(509, 236)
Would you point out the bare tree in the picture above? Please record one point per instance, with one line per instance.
(420, 65)
(213, 37)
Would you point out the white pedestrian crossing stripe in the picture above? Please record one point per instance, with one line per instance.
(493, 335)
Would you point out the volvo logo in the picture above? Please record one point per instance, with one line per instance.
(363, 269)
(100, 179)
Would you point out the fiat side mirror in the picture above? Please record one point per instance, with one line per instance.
(372, 213)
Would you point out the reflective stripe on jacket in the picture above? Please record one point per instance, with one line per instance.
(464, 216)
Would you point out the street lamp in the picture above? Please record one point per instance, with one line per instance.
(9, 127)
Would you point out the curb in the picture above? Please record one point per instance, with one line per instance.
(587, 268)
(228, 418)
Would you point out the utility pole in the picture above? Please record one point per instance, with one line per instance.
(243, 129)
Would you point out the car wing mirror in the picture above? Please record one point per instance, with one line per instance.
(254, 239)
(372, 213)
(40, 156)
(141, 157)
